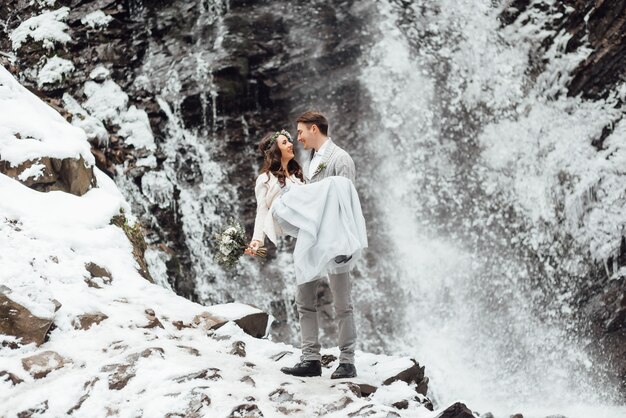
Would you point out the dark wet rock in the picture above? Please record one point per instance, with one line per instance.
(413, 374)
(87, 387)
(363, 412)
(35, 411)
(18, 321)
(153, 321)
(98, 276)
(42, 364)
(10, 377)
(517, 416)
(199, 400)
(362, 390)
(403, 404)
(69, 175)
(248, 380)
(328, 360)
(86, 321)
(422, 386)
(190, 350)
(278, 356)
(238, 349)
(207, 321)
(246, 411)
(338, 405)
(206, 374)
(457, 410)
(254, 324)
(280, 395)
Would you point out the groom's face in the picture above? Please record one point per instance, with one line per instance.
(305, 136)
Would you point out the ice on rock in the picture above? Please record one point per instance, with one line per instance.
(47, 27)
(97, 19)
(54, 71)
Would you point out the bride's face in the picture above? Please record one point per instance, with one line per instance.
(286, 147)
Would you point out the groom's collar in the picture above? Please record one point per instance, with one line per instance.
(324, 146)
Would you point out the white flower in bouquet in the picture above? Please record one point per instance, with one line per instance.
(231, 245)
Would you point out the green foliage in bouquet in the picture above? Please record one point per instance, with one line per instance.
(231, 245)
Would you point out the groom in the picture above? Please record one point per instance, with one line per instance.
(325, 159)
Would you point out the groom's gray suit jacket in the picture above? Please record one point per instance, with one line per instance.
(335, 162)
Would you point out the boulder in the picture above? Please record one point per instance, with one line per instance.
(457, 410)
(8, 376)
(153, 321)
(86, 321)
(250, 319)
(42, 364)
(239, 349)
(19, 322)
(207, 321)
(35, 411)
(46, 174)
(246, 410)
(99, 276)
(413, 374)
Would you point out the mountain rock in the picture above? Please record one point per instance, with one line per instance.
(18, 321)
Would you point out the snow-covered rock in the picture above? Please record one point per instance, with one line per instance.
(48, 27)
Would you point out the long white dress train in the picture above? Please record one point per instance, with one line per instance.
(327, 220)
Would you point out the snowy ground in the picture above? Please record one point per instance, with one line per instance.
(129, 365)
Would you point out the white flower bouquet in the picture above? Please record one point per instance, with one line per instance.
(232, 244)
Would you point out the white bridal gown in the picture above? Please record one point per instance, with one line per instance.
(327, 220)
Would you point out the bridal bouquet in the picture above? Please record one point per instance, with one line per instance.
(232, 244)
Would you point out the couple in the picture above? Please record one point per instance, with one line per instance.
(318, 204)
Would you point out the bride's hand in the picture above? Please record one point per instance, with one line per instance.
(253, 247)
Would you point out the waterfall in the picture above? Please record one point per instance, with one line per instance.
(439, 76)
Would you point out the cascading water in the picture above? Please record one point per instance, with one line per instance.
(440, 76)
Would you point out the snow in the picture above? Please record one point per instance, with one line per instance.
(47, 27)
(52, 136)
(54, 71)
(135, 127)
(97, 19)
(34, 171)
(46, 239)
(100, 73)
(93, 127)
(107, 102)
(232, 311)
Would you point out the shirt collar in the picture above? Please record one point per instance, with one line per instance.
(323, 147)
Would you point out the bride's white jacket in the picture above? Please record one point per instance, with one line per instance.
(266, 193)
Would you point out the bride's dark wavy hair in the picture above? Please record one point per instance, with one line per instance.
(272, 160)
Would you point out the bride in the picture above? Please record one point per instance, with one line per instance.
(325, 216)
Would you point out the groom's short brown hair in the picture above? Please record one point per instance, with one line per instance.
(313, 117)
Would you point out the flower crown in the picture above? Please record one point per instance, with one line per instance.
(275, 137)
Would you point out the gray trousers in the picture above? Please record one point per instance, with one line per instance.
(306, 302)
